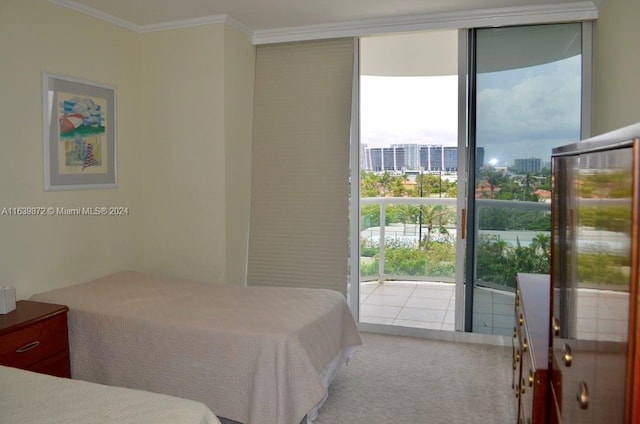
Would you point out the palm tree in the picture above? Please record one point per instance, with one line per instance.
(397, 187)
(407, 213)
(385, 183)
(541, 243)
(368, 184)
(430, 215)
(494, 178)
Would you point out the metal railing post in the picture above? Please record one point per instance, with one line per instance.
(383, 220)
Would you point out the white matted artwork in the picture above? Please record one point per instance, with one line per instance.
(79, 133)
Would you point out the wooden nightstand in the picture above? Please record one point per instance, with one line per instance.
(35, 337)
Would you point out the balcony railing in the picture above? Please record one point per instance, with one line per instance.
(408, 234)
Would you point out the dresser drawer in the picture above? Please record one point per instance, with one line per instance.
(32, 344)
(58, 365)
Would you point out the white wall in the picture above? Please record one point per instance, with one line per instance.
(182, 82)
(197, 94)
(239, 74)
(616, 101)
(39, 253)
(184, 101)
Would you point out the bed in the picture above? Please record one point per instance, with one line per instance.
(30, 398)
(256, 355)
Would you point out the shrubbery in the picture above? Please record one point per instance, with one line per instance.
(498, 261)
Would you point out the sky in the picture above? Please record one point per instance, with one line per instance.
(521, 113)
(408, 110)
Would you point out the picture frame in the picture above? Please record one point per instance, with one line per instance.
(79, 133)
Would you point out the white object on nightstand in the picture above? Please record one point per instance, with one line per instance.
(7, 299)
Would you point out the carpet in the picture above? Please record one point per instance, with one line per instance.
(405, 380)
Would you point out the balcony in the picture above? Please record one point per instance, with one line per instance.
(410, 283)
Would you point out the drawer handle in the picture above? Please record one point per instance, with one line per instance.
(556, 326)
(567, 357)
(521, 320)
(28, 347)
(525, 345)
(583, 396)
(531, 378)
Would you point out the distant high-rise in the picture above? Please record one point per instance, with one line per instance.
(412, 157)
(524, 166)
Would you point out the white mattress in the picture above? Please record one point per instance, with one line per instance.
(30, 398)
(256, 355)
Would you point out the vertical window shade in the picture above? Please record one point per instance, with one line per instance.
(300, 165)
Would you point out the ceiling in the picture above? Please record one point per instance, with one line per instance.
(266, 15)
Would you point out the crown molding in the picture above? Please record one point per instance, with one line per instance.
(188, 23)
(98, 14)
(164, 26)
(576, 11)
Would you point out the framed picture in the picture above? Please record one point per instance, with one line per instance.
(79, 126)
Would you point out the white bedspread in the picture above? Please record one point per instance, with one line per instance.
(252, 354)
(30, 398)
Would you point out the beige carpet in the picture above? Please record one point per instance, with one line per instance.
(403, 380)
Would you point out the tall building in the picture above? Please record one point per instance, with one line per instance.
(412, 157)
(524, 166)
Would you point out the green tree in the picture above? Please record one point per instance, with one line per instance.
(494, 178)
(432, 216)
(369, 184)
(541, 244)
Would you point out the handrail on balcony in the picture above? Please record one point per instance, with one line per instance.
(452, 202)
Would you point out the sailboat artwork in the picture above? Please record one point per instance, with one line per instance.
(82, 131)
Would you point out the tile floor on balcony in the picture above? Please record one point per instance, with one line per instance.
(431, 305)
(408, 304)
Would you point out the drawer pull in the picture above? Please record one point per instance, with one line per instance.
(28, 347)
(531, 378)
(583, 396)
(525, 345)
(567, 357)
(556, 326)
(521, 320)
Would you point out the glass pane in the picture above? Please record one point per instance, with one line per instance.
(528, 84)
(592, 253)
(408, 179)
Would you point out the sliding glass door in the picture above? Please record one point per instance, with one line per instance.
(452, 162)
(527, 88)
(408, 180)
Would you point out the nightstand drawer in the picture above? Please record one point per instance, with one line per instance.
(24, 348)
(57, 365)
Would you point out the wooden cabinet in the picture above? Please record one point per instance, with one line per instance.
(595, 277)
(530, 347)
(35, 337)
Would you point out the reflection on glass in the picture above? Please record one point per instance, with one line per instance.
(528, 91)
(591, 254)
(603, 245)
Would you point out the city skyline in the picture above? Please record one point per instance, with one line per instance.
(522, 112)
(518, 162)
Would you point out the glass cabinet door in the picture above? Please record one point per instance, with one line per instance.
(592, 265)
